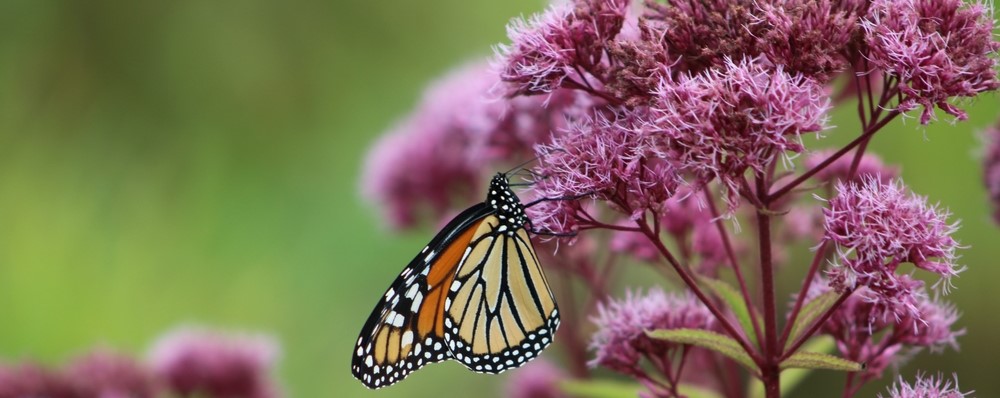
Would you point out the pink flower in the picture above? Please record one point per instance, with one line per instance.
(30, 380)
(564, 41)
(538, 379)
(933, 328)
(741, 117)
(688, 221)
(935, 49)
(457, 135)
(620, 340)
(991, 168)
(220, 365)
(705, 34)
(926, 387)
(870, 165)
(609, 158)
(876, 226)
(886, 338)
(812, 38)
(106, 374)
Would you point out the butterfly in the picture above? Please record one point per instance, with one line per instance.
(476, 294)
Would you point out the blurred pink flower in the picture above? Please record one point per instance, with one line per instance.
(538, 379)
(106, 374)
(926, 387)
(870, 165)
(31, 380)
(457, 134)
(991, 168)
(937, 49)
(220, 365)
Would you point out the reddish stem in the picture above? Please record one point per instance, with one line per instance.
(813, 268)
(857, 141)
(816, 325)
(771, 375)
(692, 284)
(735, 263)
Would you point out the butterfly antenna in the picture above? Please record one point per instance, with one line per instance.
(519, 167)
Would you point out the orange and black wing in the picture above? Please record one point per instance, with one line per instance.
(406, 330)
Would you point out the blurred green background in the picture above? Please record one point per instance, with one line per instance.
(197, 161)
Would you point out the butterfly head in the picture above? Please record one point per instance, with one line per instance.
(505, 203)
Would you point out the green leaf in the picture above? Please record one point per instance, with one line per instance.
(600, 389)
(809, 312)
(815, 360)
(734, 300)
(792, 378)
(616, 389)
(709, 340)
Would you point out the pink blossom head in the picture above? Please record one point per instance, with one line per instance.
(926, 387)
(634, 244)
(813, 38)
(933, 328)
(877, 226)
(934, 49)
(106, 374)
(607, 157)
(220, 365)
(869, 165)
(456, 135)
(538, 379)
(621, 341)
(406, 167)
(704, 34)
(564, 40)
(31, 380)
(868, 332)
(991, 168)
(725, 122)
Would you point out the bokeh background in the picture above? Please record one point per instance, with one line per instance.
(194, 161)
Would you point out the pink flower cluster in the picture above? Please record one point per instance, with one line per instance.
(621, 340)
(935, 49)
(687, 219)
(438, 153)
(188, 362)
(565, 42)
(991, 167)
(888, 339)
(738, 118)
(926, 387)
(877, 226)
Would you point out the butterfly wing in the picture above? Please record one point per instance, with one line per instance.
(500, 312)
(406, 330)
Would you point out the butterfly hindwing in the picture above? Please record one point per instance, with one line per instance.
(500, 312)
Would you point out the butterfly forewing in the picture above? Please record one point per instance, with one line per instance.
(405, 331)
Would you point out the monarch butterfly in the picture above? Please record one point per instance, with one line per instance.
(475, 294)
